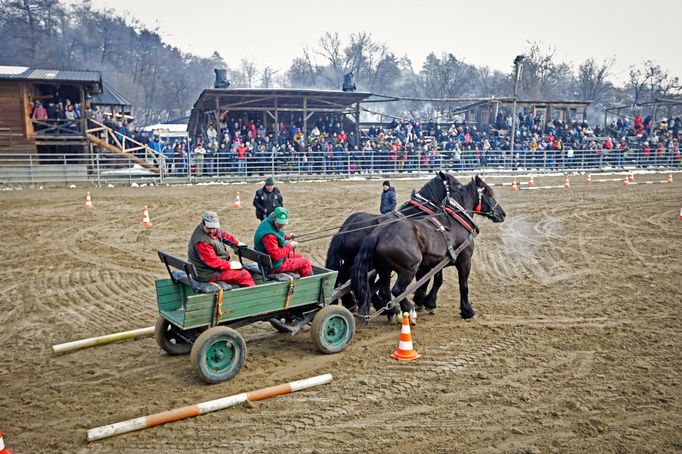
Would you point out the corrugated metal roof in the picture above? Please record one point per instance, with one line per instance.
(243, 99)
(43, 74)
(109, 97)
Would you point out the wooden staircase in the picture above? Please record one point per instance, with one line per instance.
(116, 143)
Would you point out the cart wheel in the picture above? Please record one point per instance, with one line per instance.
(333, 328)
(218, 354)
(166, 335)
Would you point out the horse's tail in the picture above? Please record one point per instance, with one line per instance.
(334, 253)
(361, 266)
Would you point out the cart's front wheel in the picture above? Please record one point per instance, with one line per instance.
(169, 338)
(333, 328)
(218, 354)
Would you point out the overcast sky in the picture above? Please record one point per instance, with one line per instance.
(480, 32)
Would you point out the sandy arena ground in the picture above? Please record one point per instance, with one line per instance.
(576, 347)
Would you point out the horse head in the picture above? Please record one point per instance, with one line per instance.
(487, 205)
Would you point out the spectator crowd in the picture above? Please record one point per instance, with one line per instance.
(245, 146)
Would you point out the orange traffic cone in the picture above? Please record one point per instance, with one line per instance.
(588, 179)
(237, 202)
(88, 202)
(567, 184)
(626, 182)
(670, 178)
(405, 350)
(3, 449)
(514, 186)
(631, 177)
(146, 222)
(531, 181)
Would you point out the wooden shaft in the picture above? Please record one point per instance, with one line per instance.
(109, 338)
(190, 411)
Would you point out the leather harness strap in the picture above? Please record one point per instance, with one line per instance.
(290, 292)
(442, 229)
(218, 302)
(461, 220)
(421, 206)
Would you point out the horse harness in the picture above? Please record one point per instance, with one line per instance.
(423, 203)
(460, 215)
(464, 219)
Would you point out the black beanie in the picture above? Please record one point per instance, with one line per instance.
(387, 183)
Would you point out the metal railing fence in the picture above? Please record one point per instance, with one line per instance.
(103, 168)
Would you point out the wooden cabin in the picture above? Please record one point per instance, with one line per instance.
(21, 89)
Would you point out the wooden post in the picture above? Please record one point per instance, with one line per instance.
(83, 120)
(276, 118)
(92, 341)
(305, 121)
(26, 100)
(357, 125)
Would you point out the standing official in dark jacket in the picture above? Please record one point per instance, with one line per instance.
(389, 199)
(267, 199)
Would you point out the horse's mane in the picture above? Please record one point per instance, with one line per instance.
(434, 189)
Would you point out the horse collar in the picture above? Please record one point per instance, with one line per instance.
(467, 223)
(422, 206)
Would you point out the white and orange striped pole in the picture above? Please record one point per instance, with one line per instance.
(190, 411)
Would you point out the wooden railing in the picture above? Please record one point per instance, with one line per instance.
(116, 142)
(56, 128)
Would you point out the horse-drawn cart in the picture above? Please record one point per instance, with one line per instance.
(200, 318)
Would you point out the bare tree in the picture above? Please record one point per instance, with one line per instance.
(543, 76)
(637, 81)
(330, 49)
(445, 77)
(592, 79)
(267, 77)
(249, 70)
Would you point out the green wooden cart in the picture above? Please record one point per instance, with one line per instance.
(199, 317)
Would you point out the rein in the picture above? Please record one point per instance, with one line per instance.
(412, 202)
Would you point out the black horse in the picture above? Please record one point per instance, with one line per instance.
(412, 247)
(346, 242)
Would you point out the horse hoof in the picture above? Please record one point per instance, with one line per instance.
(419, 308)
(360, 322)
(431, 312)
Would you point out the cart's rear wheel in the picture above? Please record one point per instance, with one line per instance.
(333, 328)
(166, 335)
(218, 354)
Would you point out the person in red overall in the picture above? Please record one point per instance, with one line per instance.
(210, 256)
(270, 239)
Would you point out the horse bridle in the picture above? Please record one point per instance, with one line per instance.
(477, 209)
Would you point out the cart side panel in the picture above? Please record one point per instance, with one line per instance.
(271, 297)
(170, 299)
(273, 300)
(328, 279)
(199, 310)
(196, 309)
